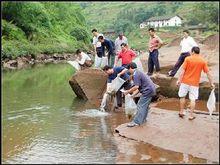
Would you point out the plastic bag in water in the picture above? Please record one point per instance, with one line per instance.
(130, 105)
(211, 102)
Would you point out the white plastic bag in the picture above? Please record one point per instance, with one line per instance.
(130, 106)
(137, 61)
(211, 102)
(75, 64)
(116, 84)
(98, 61)
(104, 61)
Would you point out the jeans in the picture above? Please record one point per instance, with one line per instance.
(179, 63)
(153, 60)
(142, 109)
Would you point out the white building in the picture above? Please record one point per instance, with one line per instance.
(162, 21)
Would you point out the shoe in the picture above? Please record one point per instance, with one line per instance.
(132, 124)
(149, 74)
(169, 74)
(181, 115)
(192, 118)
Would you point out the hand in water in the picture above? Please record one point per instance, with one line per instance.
(102, 109)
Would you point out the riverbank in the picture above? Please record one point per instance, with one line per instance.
(27, 61)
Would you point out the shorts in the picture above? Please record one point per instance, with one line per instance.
(193, 91)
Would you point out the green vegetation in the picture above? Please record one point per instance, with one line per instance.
(42, 27)
(127, 16)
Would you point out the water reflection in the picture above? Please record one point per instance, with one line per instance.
(130, 151)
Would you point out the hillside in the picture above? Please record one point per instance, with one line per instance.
(126, 17)
(31, 28)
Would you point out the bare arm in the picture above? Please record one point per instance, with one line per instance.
(135, 93)
(134, 88)
(94, 48)
(116, 60)
(180, 77)
(210, 80)
(122, 72)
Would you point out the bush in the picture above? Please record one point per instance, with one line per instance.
(31, 28)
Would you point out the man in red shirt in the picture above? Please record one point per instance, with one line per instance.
(126, 55)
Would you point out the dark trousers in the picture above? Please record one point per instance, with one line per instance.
(153, 61)
(127, 85)
(179, 63)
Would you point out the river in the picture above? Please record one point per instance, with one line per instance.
(44, 122)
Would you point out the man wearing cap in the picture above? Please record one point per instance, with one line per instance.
(118, 41)
(146, 87)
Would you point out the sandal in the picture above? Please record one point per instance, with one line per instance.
(191, 118)
(181, 115)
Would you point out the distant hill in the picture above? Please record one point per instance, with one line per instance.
(127, 16)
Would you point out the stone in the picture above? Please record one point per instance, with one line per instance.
(89, 84)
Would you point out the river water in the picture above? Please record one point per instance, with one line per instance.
(44, 122)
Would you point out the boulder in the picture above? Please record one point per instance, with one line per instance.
(169, 88)
(89, 84)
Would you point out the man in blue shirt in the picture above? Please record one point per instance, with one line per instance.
(107, 43)
(112, 74)
(146, 87)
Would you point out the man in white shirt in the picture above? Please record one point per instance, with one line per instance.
(119, 40)
(97, 47)
(186, 45)
(83, 59)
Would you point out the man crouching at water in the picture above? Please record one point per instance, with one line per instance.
(146, 87)
(114, 72)
(83, 59)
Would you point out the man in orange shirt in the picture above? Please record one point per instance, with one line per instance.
(126, 55)
(189, 79)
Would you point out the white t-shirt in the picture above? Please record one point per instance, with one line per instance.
(96, 41)
(84, 58)
(187, 44)
(118, 43)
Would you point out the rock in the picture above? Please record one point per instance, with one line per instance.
(168, 87)
(12, 63)
(166, 130)
(22, 62)
(89, 84)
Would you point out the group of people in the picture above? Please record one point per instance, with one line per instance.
(137, 81)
